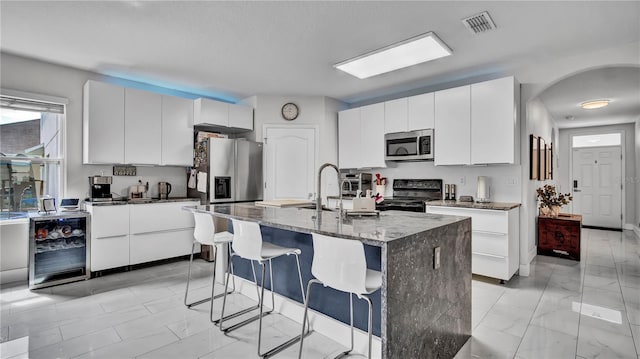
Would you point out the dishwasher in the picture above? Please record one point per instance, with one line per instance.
(58, 248)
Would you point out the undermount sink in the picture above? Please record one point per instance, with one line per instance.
(324, 208)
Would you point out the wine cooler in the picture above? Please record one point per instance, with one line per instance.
(58, 249)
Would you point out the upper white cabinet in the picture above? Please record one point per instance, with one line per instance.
(409, 113)
(395, 116)
(142, 127)
(131, 126)
(421, 112)
(477, 124)
(102, 123)
(493, 121)
(177, 131)
(452, 134)
(372, 136)
(348, 138)
(222, 114)
(361, 137)
(241, 117)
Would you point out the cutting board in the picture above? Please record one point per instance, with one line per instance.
(282, 203)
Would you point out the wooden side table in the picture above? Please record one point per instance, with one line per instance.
(560, 236)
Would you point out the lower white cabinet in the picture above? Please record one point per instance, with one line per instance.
(495, 239)
(159, 230)
(109, 236)
(136, 233)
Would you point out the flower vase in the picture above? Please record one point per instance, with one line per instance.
(555, 211)
(545, 211)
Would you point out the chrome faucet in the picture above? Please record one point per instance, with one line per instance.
(318, 195)
(24, 190)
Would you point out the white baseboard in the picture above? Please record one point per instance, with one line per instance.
(14, 275)
(525, 269)
(636, 230)
(628, 226)
(320, 323)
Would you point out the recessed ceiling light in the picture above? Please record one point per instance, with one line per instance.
(590, 105)
(413, 51)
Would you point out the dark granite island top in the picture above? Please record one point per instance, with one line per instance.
(426, 312)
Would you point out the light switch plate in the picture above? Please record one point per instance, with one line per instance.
(436, 258)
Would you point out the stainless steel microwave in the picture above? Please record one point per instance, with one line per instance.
(409, 146)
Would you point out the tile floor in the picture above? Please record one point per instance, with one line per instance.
(564, 309)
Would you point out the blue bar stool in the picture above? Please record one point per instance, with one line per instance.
(248, 244)
(341, 264)
(204, 233)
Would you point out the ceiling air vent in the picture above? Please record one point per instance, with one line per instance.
(479, 23)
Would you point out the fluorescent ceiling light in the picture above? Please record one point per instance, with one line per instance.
(590, 105)
(413, 51)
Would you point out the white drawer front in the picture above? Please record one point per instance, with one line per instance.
(109, 252)
(490, 266)
(153, 217)
(490, 243)
(484, 220)
(161, 245)
(109, 221)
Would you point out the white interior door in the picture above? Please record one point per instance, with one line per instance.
(597, 190)
(289, 162)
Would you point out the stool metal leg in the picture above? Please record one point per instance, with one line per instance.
(305, 319)
(238, 313)
(186, 293)
(370, 322)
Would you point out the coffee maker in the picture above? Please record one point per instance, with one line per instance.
(100, 188)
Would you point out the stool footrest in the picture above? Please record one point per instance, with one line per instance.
(283, 346)
(244, 322)
(206, 299)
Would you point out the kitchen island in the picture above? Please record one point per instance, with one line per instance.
(425, 304)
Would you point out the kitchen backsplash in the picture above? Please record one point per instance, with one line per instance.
(504, 180)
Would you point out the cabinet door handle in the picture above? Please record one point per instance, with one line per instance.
(163, 231)
(116, 236)
(489, 255)
(490, 233)
(577, 190)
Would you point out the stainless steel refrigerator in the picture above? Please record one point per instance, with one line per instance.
(234, 170)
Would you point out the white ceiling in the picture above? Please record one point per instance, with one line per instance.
(232, 49)
(620, 85)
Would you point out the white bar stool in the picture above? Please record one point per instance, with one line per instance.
(248, 244)
(341, 264)
(204, 233)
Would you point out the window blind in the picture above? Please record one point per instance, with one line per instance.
(30, 105)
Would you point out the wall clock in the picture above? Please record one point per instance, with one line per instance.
(290, 111)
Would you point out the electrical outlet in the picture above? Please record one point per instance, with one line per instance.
(462, 180)
(436, 258)
(512, 181)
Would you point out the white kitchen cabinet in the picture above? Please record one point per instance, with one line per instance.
(177, 131)
(495, 239)
(109, 236)
(493, 121)
(210, 112)
(421, 112)
(395, 116)
(221, 114)
(14, 256)
(241, 117)
(372, 136)
(103, 123)
(159, 231)
(361, 137)
(452, 137)
(349, 138)
(142, 127)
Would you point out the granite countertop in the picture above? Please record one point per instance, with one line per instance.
(143, 201)
(373, 230)
(498, 206)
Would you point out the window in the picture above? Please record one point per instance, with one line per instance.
(31, 152)
(608, 139)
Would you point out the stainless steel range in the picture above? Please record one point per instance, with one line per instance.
(410, 194)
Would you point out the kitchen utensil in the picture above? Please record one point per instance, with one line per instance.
(164, 188)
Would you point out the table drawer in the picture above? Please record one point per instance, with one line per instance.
(490, 243)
